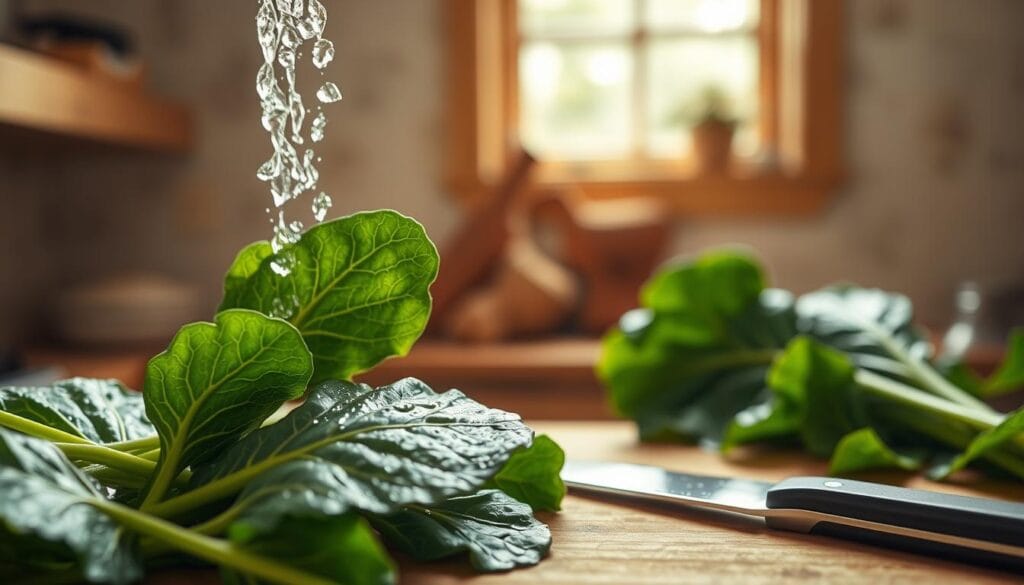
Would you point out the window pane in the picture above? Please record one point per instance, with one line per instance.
(575, 100)
(576, 17)
(713, 16)
(681, 72)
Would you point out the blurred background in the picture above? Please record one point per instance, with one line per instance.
(872, 141)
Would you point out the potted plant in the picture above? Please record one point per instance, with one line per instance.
(712, 126)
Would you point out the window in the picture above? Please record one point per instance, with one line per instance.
(624, 79)
(604, 92)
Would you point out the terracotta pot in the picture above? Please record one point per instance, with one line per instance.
(712, 146)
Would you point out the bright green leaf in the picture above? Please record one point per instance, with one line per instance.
(361, 288)
(499, 532)
(218, 381)
(714, 284)
(47, 517)
(863, 449)
(819, 382)
(533, 475)
(101, 411)
(341, 548)
(1009, 376)
(988, 442)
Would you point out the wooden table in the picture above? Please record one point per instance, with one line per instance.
(615, 543)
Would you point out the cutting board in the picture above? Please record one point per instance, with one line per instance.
(600, 542)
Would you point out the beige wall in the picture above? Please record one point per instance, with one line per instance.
(936, 158)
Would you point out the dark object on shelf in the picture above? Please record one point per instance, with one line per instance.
(472, 252)
(62, 28)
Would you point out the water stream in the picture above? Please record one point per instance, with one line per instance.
(287, 30)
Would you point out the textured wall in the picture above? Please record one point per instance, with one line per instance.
(936, 162)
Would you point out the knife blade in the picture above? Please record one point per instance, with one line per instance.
(973, 529)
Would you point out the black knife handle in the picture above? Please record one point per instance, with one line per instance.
(978, 519)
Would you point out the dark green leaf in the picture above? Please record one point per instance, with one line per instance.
(988, 443)
(777, 418)
(102, 411)
(217, 382)
(532, 475)
(361, 287)
(871, 326)
(499, 532)
(395, 445)
(863, 449)
(962, 376)
(342, 548)
(1009, 376)
(45, 507)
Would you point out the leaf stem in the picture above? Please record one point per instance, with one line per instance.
(979, 419)
(109, 457)
(925, 374)
(39, 430)
(115, 477)
(210, 549)
(143, 444)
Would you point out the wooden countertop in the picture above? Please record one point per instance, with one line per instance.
(602, 542)
(605, 542)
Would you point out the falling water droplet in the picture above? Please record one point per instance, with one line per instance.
(307, 29)
(323, 53)
(270, 169)
(292, 7)
(283, 263)
(317, 16)
(298, 113)
(329, 93)
(286, 58)
(321, 204)
(318, 127)
(266, 30)
(290, 36)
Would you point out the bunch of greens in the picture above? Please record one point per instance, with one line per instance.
(717, 357)
(100, 483)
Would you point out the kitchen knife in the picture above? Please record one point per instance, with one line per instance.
(973, 529)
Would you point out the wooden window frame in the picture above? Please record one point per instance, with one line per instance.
(802, 93)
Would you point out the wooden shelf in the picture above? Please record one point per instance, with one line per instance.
(541, 380)
(47, 96)
(550, 360)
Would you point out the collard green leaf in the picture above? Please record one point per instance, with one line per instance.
(361, 287)
(499, 532)
(341, 548)
(398, 444)
(101, 411)
(218, 381)
(1010, 375)
(863, 449)
(698, 354)
(778, 418)
(533, 475)
(871, 326)
(705, 293)
(819, 381)
(45, 510)
(988, 443)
